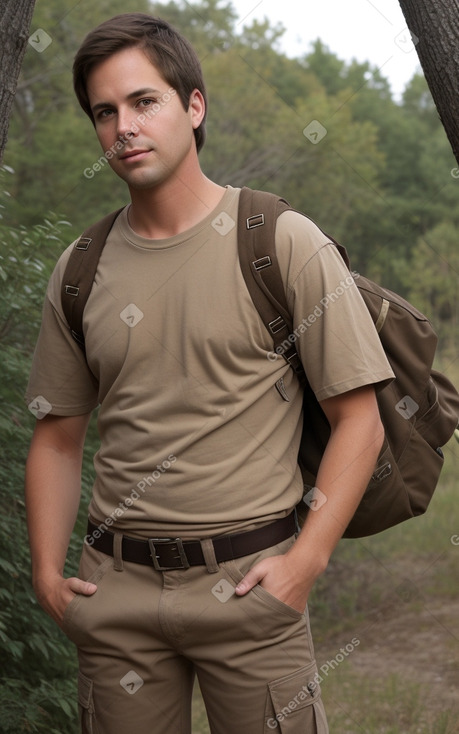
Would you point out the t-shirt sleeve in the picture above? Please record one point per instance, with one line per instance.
(334, 333)
(60, 381)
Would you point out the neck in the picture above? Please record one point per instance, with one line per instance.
(172, 208)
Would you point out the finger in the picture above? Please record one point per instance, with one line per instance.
(251, 579)
(78, 586)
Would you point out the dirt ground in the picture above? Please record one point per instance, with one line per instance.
(421, 646)
(415, 639)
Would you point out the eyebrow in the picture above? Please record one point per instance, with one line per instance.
(131, 95)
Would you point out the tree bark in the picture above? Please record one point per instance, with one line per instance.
(435, 25)
(15, 19)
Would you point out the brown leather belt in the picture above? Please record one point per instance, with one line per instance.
(171, 553)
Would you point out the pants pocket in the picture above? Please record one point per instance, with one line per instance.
(93, 567)
(294, 704)
(86, 705)
(237, 568)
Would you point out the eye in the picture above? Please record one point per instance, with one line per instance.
(145, 102)
(104, 114)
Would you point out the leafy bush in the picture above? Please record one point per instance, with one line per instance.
(38, 663)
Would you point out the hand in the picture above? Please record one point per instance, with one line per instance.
(282, 578)
(55, 594)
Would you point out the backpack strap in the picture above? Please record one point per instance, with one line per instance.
(80, 272)
(258, 213)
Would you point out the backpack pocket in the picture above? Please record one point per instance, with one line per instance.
(439, 414)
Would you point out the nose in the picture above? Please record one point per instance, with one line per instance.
(127, 125)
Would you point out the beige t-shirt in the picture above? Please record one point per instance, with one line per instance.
(195, 438)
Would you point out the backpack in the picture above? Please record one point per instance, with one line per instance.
(419, 409)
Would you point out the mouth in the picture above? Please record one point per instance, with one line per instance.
(134, 155)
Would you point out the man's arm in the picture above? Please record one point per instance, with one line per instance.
(345, 470)
(53, 487)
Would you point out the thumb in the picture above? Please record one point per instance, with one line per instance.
(78, 586)
(251, 579)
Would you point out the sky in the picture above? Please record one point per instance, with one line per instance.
(368, 30)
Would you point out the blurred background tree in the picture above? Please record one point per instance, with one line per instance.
(433, 27)
(15, 17)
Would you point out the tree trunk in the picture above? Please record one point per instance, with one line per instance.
(435, 24)
(15, 18)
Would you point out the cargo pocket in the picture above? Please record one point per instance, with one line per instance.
(294, 704)
(86, 705)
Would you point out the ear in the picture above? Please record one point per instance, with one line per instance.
(197, 108)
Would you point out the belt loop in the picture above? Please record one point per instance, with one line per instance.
(117, 551)
(208, 552)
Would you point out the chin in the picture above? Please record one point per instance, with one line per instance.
(143, 183)
(139, 180)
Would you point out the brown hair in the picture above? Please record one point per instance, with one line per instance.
(168, 50)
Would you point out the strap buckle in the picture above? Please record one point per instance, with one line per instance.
(256, 220)
(72, 290)
(83, 243)
(277, 325)
(292, 357)
(166, 551)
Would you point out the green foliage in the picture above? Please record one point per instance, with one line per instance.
(37, 708)
(26, 258)
(37, 679)
(38, 668)
(437, 254)
(208, 25)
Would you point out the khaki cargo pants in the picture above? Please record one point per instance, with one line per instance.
(145, 634)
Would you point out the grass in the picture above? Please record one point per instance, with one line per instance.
(389, 705)
(417, 554)
(363, 705)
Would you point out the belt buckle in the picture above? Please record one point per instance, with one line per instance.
(178, 542)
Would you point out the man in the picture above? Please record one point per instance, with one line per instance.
(196, 442)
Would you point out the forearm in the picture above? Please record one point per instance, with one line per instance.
(52, 491)
(52, 499)
(53, 479)
(344, 473)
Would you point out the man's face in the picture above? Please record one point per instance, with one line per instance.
(140, 120)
